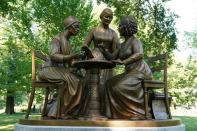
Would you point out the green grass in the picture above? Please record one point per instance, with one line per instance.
(189, 121)
(7, 122)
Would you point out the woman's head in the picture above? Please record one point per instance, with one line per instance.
(72, 25)
(106, 16)
(127, 26)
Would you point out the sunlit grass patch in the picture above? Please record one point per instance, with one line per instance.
(7, 127)
(190, 122)
(7, 122)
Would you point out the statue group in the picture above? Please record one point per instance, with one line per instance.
(120, 96)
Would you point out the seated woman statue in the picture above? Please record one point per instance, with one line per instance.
(124, 91)
(56, 70)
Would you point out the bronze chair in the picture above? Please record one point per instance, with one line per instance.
(38, 83)
(158, 65)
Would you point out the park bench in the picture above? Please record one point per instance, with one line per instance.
(158, 65)
(36, 83)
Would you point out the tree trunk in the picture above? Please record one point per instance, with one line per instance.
(9, 103)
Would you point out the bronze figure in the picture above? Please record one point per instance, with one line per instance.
(124, 91)
(102, 36)
(56, 70)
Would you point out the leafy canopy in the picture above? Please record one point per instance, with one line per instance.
(155, 23)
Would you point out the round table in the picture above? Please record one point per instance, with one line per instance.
(93, 104)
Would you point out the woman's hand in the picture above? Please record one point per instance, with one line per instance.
(87, 51)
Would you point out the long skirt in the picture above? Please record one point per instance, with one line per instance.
(104, 75)
(69, 90)
(125, 95)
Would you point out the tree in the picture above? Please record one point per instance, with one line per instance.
(182, 78)
(31, 24)
(11, 72)
(155, 23)
(5, 6)
(191, 38)
(182, 82)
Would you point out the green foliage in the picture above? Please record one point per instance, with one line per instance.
(191, 38)
(7, 122)
(155, 23)
(48, 17)
(182, 83)
(12, 66)
(31, 25)
(5, 6)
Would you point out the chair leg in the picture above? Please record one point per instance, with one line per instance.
(146, 102)
(45, 102)
(30, 102)
(59, 102)
(167, 105)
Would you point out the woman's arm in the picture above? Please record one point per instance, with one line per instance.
(88, 39)
(115, 48)
(137, 50)
(107, 54)
(56, 55)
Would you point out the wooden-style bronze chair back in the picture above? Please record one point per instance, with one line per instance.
(158, 65)
(35, 66)
(38, 83)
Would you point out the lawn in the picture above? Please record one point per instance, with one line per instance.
(189, 121)
(7, 121)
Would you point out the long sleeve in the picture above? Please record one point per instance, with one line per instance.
(55, 53)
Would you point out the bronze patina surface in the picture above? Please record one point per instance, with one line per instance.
(97, 95)
(92, 103)
(56, 70)
(88, 64)
(106, 123)
(105, 37)
(125, 91)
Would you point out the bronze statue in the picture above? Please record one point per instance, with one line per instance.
(124, 91)
(103, 36)
(56, 70)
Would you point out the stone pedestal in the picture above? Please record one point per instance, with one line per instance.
(19, 127)
(108, 125)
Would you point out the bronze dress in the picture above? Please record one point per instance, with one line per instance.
(109, 39)
(70, 86)
(125, 92)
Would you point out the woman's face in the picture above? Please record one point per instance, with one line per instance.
(107, 18)
(74, 28)
(121, 29)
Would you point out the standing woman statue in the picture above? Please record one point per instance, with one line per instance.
(103, 36)
(124, 91)
(56, 70)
